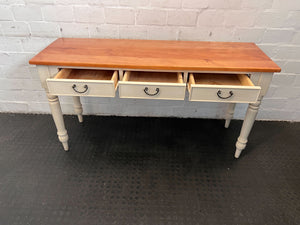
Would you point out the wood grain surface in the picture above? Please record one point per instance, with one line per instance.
(85, 74)
(222, 79)
(156, 55)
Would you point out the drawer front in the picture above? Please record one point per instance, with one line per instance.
(223, 93)
(152, 90)
(82, 82)
(81, 88)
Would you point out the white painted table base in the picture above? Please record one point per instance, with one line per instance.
(263, 80)
(229, 114)
(259, 79)
(58, 120)
(78, 108)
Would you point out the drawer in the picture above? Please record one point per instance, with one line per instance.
(222, 88)
(152, 85)
(81, 82)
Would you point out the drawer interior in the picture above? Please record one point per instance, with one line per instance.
(162, 77)
(88, 75)
(83, 74)
(220, 79)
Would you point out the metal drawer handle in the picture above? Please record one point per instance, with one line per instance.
(81, 92)
(219, 93)
(146, 91)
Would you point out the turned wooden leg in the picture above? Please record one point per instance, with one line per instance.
(229, 114)
(78, 108)
(246, 128)
(58, 120)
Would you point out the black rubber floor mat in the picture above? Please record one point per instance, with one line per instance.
(122, 170)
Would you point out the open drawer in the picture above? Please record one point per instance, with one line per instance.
(152, 85)
(222, 88)
(84, 82)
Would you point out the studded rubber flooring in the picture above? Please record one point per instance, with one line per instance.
(122, 170)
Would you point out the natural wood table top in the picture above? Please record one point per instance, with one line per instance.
(156, 55)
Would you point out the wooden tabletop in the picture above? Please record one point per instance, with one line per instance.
(156, 55)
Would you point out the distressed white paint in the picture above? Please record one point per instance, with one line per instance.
(82, 87)
(95, 88)
(152, 90)
(229, 114)
(58, 120)
(228, 93)
(78, 108)
(167, 91)
(263, 80)
(208, 93)
(164, 90)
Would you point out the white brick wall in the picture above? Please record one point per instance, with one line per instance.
(182, 18)
(89, 14)
(151, 17)
(58, 13)
(27, 13)
(27, 26)
(119, 16)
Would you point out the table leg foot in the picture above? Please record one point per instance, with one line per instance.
(63, 138)
(246, 128)
(227, 123)
(80, 118)
(240, 146)
(58, 120)
(66, 146)
(237, 153)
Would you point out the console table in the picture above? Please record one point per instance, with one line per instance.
(210, 71)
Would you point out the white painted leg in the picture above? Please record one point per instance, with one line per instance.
(58, 120)
(229, 114)
(259, 79)
(78, 108)
(246, 128)
(121, 74)
(185, 77)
